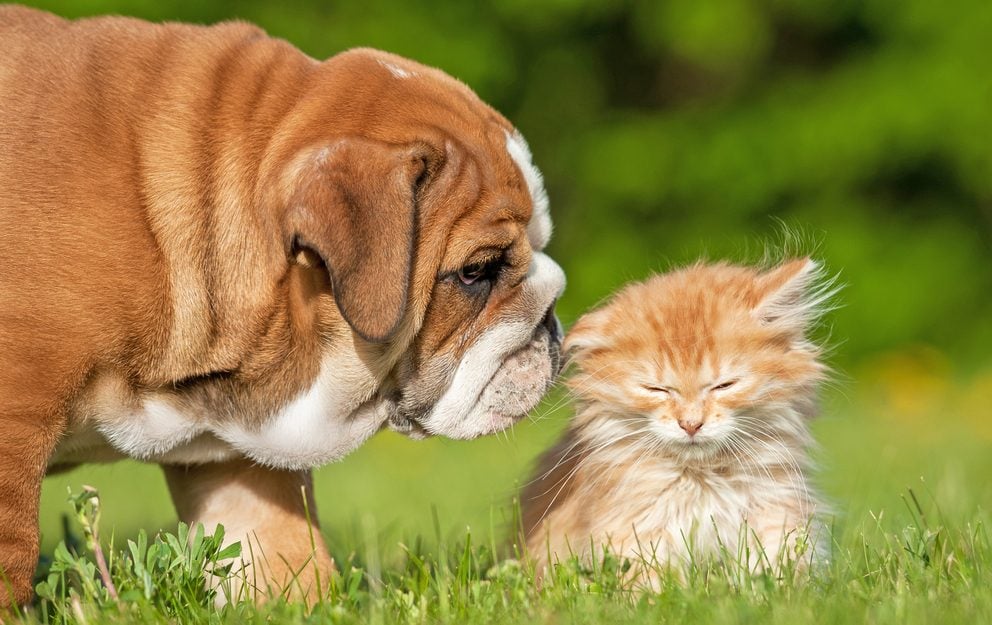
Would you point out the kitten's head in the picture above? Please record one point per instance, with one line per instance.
(702, 359)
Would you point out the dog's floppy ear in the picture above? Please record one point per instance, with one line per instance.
(355, 206)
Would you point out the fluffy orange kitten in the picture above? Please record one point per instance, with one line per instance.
(690, 438)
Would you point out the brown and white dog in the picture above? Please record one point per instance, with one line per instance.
(223, 256)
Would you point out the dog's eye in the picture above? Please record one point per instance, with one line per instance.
(724, 385)
(483, 270)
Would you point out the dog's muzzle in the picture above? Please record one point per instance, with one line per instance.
(521, 380)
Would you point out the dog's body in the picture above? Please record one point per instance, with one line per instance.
(223, 256)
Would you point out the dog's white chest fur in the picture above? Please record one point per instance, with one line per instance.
(152, 430)
(323, 423)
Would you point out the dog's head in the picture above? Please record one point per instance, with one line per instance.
(424, 207)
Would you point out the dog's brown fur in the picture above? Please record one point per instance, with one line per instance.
(196, 209)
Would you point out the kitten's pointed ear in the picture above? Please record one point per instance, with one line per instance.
(590, 332)
(791, 296)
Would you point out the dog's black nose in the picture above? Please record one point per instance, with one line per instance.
(551, 322)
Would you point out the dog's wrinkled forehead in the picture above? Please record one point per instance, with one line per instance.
(429, 85)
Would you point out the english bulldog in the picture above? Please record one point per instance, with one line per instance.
(223, 256)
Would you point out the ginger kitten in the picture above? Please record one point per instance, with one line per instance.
(690, 438)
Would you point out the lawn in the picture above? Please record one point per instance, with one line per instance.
(420, 529)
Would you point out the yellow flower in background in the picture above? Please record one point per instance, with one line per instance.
(909, 385)
(976, 404)
(918, 388)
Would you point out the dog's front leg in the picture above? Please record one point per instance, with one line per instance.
(25, 447)
(266, 509)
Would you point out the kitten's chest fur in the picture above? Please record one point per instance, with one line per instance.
(664, 498)
(669, 510)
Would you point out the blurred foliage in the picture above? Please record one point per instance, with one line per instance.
(670, 130)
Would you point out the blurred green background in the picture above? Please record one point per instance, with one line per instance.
(673, 130)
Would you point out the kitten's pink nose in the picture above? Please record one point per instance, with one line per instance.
(690, 427)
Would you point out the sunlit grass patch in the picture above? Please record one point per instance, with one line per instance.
(909, 540)
(925, 570)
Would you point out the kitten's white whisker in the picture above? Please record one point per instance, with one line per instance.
(565, 480)
(569, 456)
(780, 450)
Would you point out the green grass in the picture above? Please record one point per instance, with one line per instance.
(419, 530)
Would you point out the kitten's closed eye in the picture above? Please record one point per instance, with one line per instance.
(664, 390)
(723, 385)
